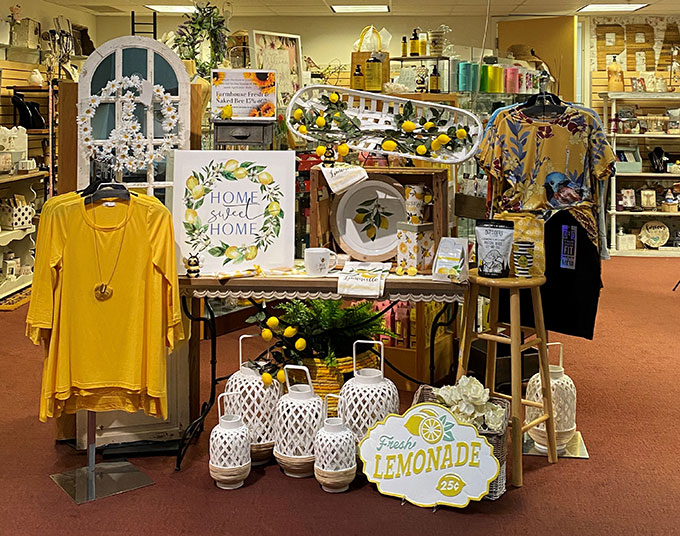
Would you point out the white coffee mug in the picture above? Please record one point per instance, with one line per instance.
(319, 261)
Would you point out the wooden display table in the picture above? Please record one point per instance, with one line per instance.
(397, 288)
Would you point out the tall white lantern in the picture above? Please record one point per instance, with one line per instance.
(229, 448)
(368, 397)
(299, 415)
(564, 406)
(335, 454)
(257, 404)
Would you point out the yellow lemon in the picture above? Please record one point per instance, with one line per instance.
(241, 173)
(408, 126)
(359, 218)
(300, 344)
(297, 114)
(415, 219)
(273, 322)
(265, 178)
(389, 145)
(413, 424)
(197, 191)
(231, 252)
(320, 150)
(461, 133)
(443, 139)
(289, 332)
(435, 145)
(227, 112)
(400, 270)
(412, 271)
(281, 376)
(336, 114)
(370, 232)
(428, 125)
(267, 334)
(421, 149)
(320, 122)
(274, 209)
(333, 97)
(190, 215)
(231, 165)
(384, 222)
(251, 253)
(302, 129)
(267, 378)
(192, 182)
(343, 149)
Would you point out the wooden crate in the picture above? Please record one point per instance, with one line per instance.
(320, 200)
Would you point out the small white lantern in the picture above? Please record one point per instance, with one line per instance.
(335, 454)
(368, 397)
(564, 406)
(229, 448)
(258, 403)
(299, 415)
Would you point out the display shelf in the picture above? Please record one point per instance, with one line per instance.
(403, 59)
(10, 286)
(22, 176)
(649, 175)
(643, 213)
(643, 136)
(670, 252)
(639, 96)
(17, 234)
(38, 131)
(428, 97)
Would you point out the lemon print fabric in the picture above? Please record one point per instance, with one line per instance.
(372, 216)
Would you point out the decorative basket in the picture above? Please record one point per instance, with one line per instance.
(329, 380)
(368, 397)
(497, 440)
(375, 113)
(229, 448)
(299, 415)
(335, 461)
(258, 402)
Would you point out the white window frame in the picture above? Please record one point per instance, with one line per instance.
(183, 101)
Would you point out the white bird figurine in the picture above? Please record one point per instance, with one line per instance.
(35, 78)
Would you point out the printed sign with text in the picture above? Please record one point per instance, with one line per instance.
(243, 94)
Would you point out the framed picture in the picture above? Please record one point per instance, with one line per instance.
(243, 94)
(235, 209)
(281, 53)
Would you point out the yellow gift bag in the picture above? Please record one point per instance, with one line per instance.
(529, 227)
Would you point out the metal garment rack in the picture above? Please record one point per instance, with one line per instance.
(196, 427)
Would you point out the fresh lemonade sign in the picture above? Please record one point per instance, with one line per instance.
(427, 457)
(235, 209)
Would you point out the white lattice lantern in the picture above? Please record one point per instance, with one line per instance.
(368, 397)
(257, 404)
(335, 454)
(229, 448)
(564, 406)
(299, 415)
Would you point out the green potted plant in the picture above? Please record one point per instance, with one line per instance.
(319, 334)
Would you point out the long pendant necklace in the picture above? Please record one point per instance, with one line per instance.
(103, 291)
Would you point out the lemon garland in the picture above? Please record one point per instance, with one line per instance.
(199, 184)
(421, 138)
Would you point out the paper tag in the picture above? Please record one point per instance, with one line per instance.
(147, 93)
(568, 257)
(342, 176)
(108, 204)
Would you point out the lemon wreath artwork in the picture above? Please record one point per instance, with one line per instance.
(235, 209)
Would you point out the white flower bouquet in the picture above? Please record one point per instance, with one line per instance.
(469, 401)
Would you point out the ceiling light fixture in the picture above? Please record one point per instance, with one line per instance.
(591, 8)
(170, 8)
(361, 8)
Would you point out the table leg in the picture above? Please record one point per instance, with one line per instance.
(516, 379)
(492, 346)
(196, 427)
(470, 311)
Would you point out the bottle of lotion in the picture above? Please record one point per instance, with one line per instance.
(414, 44)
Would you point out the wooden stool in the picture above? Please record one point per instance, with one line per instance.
(514, 285)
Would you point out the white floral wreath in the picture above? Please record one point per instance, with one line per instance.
(126, 146)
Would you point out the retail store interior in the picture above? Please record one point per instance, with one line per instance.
(538, 141)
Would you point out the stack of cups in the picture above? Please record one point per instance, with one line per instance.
(523, 257)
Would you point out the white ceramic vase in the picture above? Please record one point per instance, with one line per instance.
(335, 464)
(229, 448)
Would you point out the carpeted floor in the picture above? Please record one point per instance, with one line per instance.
(628, 413)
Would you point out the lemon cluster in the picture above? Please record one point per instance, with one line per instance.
(289, 334)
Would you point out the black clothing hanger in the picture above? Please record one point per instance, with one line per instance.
(543, 103)
(108, 190)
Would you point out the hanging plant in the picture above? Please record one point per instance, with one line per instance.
(205, 24)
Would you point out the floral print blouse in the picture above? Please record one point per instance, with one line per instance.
(545, 165)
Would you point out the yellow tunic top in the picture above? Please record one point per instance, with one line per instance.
(105, 355)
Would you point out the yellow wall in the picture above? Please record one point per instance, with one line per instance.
(323, 38)
(554, 41)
